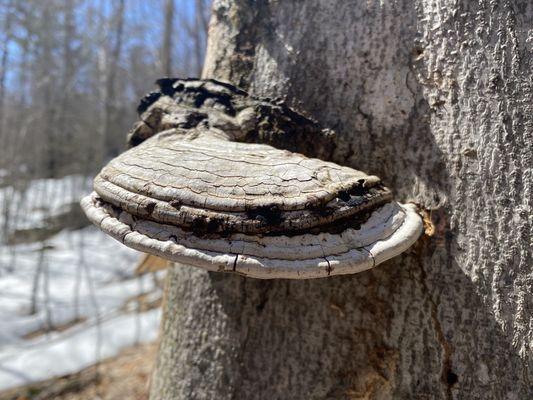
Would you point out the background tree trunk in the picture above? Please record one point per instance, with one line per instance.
(166, 51)
(4, 58)
(110, 146)
(435, 98)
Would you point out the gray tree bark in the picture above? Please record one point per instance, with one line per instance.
(109, 147)
(435, 98)
(166, 51)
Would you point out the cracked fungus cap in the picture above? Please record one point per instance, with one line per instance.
(193, 196)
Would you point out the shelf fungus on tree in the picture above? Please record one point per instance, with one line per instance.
(223, 181)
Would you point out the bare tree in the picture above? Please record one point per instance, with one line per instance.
(110, 147)
(199, 34)
(168, 35)
(7, 17)
(4, 58)
(58, 77)
(435, 99)
(196, 32)
(64, 128)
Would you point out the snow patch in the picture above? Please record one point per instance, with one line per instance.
(67, 353)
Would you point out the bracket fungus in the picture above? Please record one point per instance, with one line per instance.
(223, 181)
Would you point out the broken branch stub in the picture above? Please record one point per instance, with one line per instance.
(197, 188)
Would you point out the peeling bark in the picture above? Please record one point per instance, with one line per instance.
(434, 97)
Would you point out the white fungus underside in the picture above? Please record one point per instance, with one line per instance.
(389, 231)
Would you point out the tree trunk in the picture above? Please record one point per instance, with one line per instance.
(110, 145)
(166, 51)
(6, 31)
(64, 124)
(435, 98)
(199, 35)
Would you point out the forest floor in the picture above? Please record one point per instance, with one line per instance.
(70, 297)
(125, 376)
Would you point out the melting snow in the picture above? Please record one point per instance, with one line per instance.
(75, 275)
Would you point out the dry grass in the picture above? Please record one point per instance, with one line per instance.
(125, 376)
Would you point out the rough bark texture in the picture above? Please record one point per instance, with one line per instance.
(435, 98)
